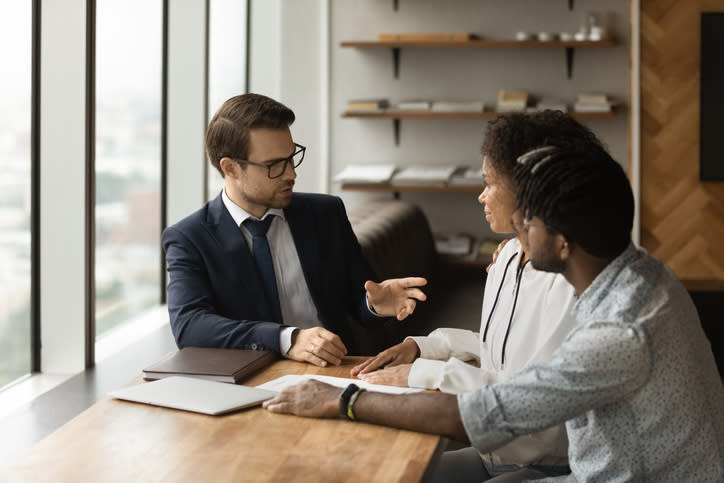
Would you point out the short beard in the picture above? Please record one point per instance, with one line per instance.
(553, 266)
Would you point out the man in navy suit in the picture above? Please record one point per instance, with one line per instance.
(261, 267)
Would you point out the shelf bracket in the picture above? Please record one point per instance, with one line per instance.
(569, 61)
(570, 5)
(396, 127)
(396, 61)
(396, 4)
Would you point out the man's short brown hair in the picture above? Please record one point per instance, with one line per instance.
(228, 131)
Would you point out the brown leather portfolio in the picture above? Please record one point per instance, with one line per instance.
(225, 365)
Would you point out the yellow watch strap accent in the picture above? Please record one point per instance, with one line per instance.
(350, 405)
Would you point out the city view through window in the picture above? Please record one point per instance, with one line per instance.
(129, 37)
(128, 159)
(15, 182)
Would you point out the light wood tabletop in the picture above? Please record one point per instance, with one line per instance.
(122, 441)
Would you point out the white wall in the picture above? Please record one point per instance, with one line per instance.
(186, 159)
(288, 62)
(62, 185)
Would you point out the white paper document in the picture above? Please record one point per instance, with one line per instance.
(281, 383)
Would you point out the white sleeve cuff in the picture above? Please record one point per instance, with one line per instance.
(431, 347)
(285, 340)
(369, 307)
(425, 373)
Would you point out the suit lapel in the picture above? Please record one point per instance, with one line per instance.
(303, 227)
(235, 251)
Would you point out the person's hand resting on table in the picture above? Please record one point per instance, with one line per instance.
(403, 353)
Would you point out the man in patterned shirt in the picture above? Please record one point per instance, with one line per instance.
(635, 381)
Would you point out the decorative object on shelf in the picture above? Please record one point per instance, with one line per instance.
(594, 27)
(509, 101)
(565, 36)
(545, 36)
(366, 173)
(522, 36)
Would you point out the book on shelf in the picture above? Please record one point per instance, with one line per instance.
(509, 101)
(593, 103)
(592, 98)
(223, 365)
(366, 173)
(413, 105)
(432, 37)
(368, 105)
(423, 175)
(457, 106)
(467, 176)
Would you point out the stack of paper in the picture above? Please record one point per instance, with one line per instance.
(419, 105)
(593, 103)
(366, 173)
(511, 101)
(424, 175)
(467, 176)
(454, 106)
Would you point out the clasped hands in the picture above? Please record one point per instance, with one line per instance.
(394, 297)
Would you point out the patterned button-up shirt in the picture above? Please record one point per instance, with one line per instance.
(635, 381)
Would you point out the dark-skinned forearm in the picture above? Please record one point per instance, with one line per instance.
(434, 413)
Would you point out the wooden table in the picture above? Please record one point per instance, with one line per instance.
(128, 442)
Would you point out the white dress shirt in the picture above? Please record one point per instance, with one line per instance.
(295, 300)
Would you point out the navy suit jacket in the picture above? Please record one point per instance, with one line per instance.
(215, 293)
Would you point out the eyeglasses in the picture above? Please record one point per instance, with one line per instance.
(276, 168)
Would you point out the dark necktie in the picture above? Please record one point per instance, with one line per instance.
(263, 258)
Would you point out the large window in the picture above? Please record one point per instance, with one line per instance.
(127, 159)
(227, 64)
(15, 182)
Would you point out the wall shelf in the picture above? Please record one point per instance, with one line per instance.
(397, 189)
(396, 116)
(397, 45)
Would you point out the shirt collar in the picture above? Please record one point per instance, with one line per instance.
(602, 284)
(240, 215)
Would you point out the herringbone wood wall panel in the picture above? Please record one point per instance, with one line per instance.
(682, 219)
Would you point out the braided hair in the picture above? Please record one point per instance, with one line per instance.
(511, 135)
(583, 195)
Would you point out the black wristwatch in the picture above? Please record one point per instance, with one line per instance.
(344, 400)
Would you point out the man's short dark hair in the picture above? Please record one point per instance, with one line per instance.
(510, 135)
(228, 131)
(585, 195)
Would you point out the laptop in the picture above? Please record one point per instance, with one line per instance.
(193, 394)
